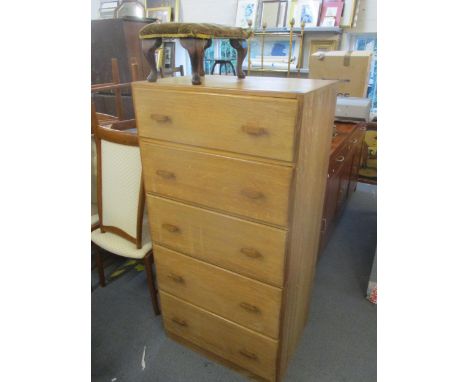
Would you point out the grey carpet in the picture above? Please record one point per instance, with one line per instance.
(339, 342)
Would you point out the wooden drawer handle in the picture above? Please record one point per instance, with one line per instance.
(176, 278)
(252, 194)
(178, 321)
(249, 307)
(248, 354)
(251, 252)
(165, 174)
(340, 158)
(254, 130)
(160, 118)
(171, 228)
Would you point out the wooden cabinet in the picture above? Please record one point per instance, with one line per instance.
(343, 173)
(235, 175)
(116, 38)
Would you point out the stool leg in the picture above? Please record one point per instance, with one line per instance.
(202, 58)
(196, 49)
(213, 67)
(241, 47)
(149, 48)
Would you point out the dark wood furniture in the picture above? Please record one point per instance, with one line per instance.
(343, 173)
(116, 38)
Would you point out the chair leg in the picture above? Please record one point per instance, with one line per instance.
(100, 267)
(148, 260)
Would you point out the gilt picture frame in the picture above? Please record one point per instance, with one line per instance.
(322, 46)
(349, 10)
(160, 14)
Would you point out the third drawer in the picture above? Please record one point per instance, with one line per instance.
(251, 249)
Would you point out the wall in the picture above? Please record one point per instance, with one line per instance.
(224, 12)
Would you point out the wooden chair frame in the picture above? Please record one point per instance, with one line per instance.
(115, 132)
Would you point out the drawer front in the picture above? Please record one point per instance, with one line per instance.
(251, 249)
(259, 126)
(256, 190)
(223, 338)
(248, 302)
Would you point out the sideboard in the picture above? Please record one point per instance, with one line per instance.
(343, 173)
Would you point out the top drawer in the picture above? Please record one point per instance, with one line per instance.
(260, 126)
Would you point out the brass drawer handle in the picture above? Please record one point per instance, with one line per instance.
(176, 278)
(252, 194)
(340, 158)
(354, 140)
(249, 307)
(254, 130)
(160, 118)
(179, 321)
(248, 354)
(165, 174)
(251, 252)
(171, 228)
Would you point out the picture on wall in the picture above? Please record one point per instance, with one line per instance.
(160, 14)
(330, 15)
(174, 5)
(307, 11)
(275, 54)
(246, 10)
(349, 10)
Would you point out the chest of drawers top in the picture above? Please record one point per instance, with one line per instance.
(257, 116)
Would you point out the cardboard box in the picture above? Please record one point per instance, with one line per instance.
(352, 67)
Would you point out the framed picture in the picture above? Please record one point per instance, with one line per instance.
(323, 46)
(274, 13)
(173, 4)
(246, 10)
(275, 54)
(331, 13)
(307, 11)
(349, 11)
(160, 14)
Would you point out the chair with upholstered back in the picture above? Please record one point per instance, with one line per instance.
(123, 229)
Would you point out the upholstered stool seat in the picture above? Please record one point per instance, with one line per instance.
(195, 38)
(193, 30)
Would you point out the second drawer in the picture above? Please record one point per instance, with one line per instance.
(248, 302)
(247, 188)
(252, 249)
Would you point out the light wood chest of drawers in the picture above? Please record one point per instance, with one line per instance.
(235, 174)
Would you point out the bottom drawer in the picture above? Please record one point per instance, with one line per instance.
(241, 346)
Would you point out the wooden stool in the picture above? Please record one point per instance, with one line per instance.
(195, 38)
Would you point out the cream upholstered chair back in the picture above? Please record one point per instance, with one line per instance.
(121, 200)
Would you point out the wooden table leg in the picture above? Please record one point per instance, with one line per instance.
(241, 47)
(149, 47)
(196, 50)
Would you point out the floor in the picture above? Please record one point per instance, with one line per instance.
(339, 342)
